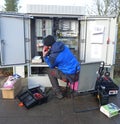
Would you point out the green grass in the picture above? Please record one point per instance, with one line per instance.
(117, 80)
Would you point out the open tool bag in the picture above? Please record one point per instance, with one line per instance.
(32, 97)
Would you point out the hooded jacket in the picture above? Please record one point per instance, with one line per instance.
(62, 58)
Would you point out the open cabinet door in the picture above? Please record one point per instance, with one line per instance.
(12, 39)
(98, 39)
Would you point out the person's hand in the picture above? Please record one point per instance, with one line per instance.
(45, 50)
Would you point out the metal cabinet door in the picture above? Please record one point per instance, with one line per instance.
(98, 39)
(12, 37)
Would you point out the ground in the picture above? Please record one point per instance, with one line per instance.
(83, 109)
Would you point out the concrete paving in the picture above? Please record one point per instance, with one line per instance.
(57, 111)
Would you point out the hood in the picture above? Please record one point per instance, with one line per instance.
(57, 47)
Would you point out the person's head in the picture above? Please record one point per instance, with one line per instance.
(49, 40)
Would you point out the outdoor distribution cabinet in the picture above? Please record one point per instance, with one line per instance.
(90, 38)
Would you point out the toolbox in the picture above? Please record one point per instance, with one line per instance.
(32, 97)
(11, 93)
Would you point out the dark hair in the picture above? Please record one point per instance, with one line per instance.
(49, 40)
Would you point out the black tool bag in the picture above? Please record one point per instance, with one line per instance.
(104, 80)
(110, 87)
(32, 97)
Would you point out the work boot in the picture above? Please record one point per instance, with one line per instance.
(57, 92)
(59, 95)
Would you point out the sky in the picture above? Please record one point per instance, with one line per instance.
(23, 3)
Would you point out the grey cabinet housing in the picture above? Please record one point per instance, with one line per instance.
(89, 38)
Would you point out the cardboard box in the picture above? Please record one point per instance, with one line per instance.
(11, 93)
